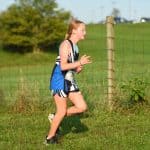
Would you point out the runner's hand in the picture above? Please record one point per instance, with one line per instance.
(85, 60)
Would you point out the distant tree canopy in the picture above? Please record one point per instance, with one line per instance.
(32, 25)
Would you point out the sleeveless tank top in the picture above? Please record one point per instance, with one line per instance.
(58, 77)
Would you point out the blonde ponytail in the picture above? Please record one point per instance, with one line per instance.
(73, 25)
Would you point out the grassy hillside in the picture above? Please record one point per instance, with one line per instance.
(26, 78)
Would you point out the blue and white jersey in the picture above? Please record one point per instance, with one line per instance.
(73, 56)
(62, 82)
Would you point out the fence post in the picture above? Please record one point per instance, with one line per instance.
(111, 59)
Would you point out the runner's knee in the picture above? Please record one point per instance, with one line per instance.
(83, 108)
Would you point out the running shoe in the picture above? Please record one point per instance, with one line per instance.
(52, 140)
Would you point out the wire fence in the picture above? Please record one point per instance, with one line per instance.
(132, 55)
(132, 58)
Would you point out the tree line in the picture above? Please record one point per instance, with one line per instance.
(32, 25)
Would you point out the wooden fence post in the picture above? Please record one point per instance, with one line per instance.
(111, 59)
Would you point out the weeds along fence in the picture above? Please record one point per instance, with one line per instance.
(128, 61)
(131, 59)
(29, 81)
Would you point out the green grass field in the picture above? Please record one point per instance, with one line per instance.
(97, 129)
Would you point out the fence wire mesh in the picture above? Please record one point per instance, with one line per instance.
(131, 59)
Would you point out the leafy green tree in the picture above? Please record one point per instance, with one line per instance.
(32, 25)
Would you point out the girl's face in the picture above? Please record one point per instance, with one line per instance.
(81, 31)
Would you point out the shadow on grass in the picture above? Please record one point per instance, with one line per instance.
(73, 124)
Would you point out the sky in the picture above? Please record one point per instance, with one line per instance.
(97, 10)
